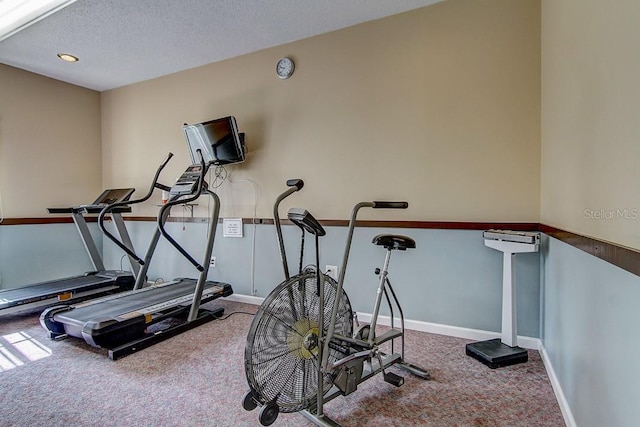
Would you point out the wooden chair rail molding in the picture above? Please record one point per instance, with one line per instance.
(621, 256)
(626, 258)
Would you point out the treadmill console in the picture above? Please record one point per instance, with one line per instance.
(108, 197)
(113, 195)
(188, 181)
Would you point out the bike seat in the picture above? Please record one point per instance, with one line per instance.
(394, 241)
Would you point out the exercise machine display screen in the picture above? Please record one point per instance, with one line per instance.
(187, 182)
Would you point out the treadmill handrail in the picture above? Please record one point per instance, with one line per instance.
(179, 201)
(113, 206)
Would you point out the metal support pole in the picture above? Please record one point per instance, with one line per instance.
(87, 240)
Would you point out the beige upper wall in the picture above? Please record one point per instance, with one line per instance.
(439, 106)
(590, 123)
(50, 146)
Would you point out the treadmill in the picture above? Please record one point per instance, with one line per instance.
(130, 321)
(90, 284)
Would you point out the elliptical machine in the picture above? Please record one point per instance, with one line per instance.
(302, 350)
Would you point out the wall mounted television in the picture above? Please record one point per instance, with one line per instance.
(218, 139)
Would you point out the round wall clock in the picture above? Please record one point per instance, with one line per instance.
(284, 68)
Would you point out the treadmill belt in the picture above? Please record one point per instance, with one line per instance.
(147, 300)
(44, 290)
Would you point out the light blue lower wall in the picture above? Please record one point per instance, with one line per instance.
(591, 312)
(36, 253)
(451, 278)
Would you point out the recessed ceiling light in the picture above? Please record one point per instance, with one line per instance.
(16, 15)
(68, 57)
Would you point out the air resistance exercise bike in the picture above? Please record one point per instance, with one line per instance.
(302, 348)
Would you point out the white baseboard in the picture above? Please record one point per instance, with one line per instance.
(557, 389)
(451, 331)
(247, 299)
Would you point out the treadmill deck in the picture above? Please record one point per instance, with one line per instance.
(146, 301)
(118, 319)
(46, 290)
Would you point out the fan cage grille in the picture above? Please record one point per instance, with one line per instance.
(281, 354)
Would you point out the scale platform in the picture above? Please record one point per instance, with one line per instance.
(495, 354)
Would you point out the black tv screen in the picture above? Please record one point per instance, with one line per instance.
(218, 139)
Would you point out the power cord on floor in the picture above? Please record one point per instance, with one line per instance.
(236, 312)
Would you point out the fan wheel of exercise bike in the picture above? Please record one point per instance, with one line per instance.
(281, 354)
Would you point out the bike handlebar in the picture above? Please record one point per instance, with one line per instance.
(296, 185)
(390, 205)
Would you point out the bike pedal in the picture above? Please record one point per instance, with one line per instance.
(394, 379)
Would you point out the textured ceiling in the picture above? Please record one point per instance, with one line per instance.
(120, 42)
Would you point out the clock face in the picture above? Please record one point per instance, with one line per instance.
(284, 68)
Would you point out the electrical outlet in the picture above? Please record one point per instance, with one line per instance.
(212, 262)
(332, 271)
